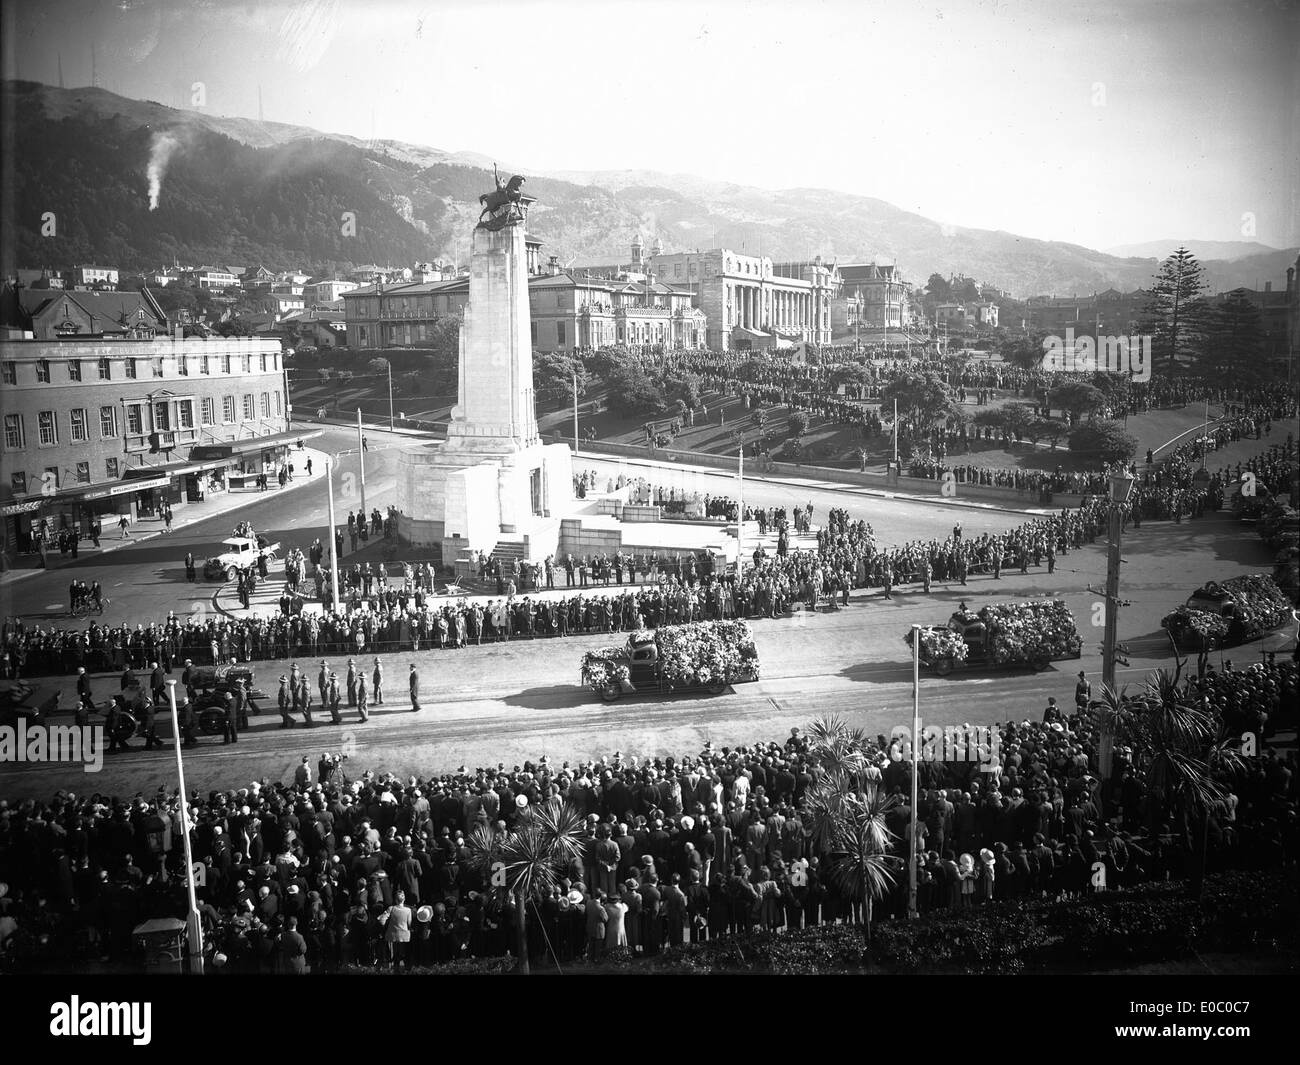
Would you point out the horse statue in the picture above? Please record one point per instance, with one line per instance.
(507, 195)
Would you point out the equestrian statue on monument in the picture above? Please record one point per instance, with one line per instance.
(504, 206)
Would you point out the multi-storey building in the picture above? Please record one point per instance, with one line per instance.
(94, 276)
(97, 426)
(750, 301)
(571, 310)
(213, 277)
(327, 290)
(872, 297)
(401, 316)
(47, 313)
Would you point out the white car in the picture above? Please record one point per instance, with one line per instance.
(240, 553)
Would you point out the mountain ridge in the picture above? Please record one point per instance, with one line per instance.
(431, 194)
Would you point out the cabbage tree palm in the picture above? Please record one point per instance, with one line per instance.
(528, 860)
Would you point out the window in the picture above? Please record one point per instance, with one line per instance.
(49, 432)
(203, 364)
(110, 468)
(227, 409)
(279, 405)
(207, 411)
(10, 373)
(83, 473)
(42, 370)
(74, 369)
(225, 364)
(185, 414)
(266, 404)
(250, 411)
(134, 419)
(14, 431)
(105, 373)
(157, 367)
(183, 365)
(77, 422)
(19, 483)
(559, 333)
(108, 421)
(248, 364)
(130, 368)
(263, 364)
(162, 416)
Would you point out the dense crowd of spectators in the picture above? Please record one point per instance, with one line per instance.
(322, 872)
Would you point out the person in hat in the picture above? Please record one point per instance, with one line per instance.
(363, 700)
(397, 930)
(330, 698)
(351, 681)
(414, 683)
(1082, 692)
(285, 701)
(377, 683)
(84, 695)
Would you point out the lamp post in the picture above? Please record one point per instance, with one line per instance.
(361, 456)
(195, 938)
(1121, 487)
(913, 909)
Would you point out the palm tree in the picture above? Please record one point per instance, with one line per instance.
(528, 861)
(1184, 755)
(846, 812)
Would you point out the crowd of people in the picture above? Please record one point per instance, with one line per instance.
(321, 872)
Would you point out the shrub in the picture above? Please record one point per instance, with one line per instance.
(798, 423)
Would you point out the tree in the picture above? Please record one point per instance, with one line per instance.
(849, 373)
(1176, 312)
(1235, 340)
(633, 392)
(1046, 428)
(1026, 352)
(923, 397)
(846, 814)
(1019, 417)
(528, 861)
(234, 327)
(1076, 398)
(1104, 441)
(553, 374)
(1183, 754)
(378, 366)
(939, 288)
(798, 423)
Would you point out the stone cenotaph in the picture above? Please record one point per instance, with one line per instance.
(493, 486)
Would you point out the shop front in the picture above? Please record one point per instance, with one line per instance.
(44, 519)
(239, 464)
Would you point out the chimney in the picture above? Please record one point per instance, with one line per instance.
(553, 265)
(1268, 286)
(637, 249)
(1290, 280)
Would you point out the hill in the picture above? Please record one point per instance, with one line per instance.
(242, 191)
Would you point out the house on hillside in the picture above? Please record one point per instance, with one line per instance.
(47, 314)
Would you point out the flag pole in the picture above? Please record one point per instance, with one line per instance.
(195, 937)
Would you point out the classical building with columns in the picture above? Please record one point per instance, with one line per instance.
(752, 302)
(873, 297)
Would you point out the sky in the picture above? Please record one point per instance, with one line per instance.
(1095, 122)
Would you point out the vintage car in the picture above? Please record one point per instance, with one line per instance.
(240, 553)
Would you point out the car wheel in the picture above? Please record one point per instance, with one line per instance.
(610, 692)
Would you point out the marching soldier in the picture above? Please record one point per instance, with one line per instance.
(114, 723)
(362, 708)
(322, 681)
(377, 683)
(352, 683)
(925, 575)
(150, 722)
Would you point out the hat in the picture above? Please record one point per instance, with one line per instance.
(521, 801)
(575, 897)
(424, 914)
(1082, 673)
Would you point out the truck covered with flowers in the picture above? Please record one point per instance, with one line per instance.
(700, 656)
(1031, 632)
(1227, 613)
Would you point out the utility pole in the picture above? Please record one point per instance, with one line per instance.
(194, 940)
(740, 508)
(895, 431)
(361, 453)
(334, 554)
(575, 413)
(390, 395)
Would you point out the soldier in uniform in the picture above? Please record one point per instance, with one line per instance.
(114, 723)
(188, 720)
(286, 702)
(322, 681)
(925, 575)
(84, 696)
(330, 698)
(362, 703)
(150, 723)
(377, 684)
(240, 704)
(352, 683)
(230, 724)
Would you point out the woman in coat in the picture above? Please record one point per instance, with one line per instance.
(615, 928)
(397, 929)
(987, 874)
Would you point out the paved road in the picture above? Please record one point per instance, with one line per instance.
(146, 580)
(521, 700)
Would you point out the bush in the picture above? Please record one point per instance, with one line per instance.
(798, 423)
(1103, 441)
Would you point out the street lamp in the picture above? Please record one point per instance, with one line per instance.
(1121, 487)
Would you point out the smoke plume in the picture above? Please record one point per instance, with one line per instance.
(161, 148)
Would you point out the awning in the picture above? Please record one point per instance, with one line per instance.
(228, 448)
(102, 490)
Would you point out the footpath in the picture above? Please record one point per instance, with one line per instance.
(190, 514)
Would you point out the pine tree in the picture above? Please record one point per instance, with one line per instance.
(1177, 316)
